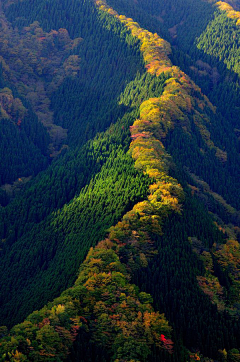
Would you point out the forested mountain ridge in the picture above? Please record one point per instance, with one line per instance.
(67, 176)
(180, 102)
(115, 235)
(171, 108)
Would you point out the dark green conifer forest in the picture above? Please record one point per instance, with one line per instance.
(119, 180)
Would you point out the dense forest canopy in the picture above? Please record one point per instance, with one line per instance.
(119, 175)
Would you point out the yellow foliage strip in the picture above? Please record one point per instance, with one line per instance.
(158, 115)
(231, 13)
(155, 50)
(181, 94)
(150, 157)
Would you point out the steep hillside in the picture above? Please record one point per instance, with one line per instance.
(30, 216)
(24, 141)
(42, 65)
(165, 173)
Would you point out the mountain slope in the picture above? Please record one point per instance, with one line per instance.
(194, 277)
